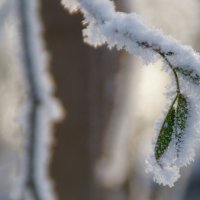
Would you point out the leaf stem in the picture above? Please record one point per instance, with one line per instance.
(174, 71)
(163, 55)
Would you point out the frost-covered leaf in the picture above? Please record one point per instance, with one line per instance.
(189, 74)
(180, 120)
(173, 126)
(165, 135)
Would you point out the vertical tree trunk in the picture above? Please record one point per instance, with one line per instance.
(85, 84)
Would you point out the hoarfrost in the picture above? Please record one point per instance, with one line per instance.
(127, 31)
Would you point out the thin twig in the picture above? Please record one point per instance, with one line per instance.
(34, 98)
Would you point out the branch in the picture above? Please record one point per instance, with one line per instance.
(126, 31)
(178, 130)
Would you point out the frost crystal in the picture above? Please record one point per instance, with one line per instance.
(179, 129)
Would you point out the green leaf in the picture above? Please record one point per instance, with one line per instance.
(189, 74)
(165, 135)
(173, 126)
(180, 120)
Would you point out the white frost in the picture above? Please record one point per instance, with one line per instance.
(127, 31)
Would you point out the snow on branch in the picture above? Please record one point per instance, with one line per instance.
(178, 129)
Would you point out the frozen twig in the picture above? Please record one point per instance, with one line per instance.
(178, 130)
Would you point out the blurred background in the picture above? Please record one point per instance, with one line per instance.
(76, 123)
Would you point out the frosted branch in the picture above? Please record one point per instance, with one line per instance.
(178, 130)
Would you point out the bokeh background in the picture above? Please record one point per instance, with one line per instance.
(76, 123)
